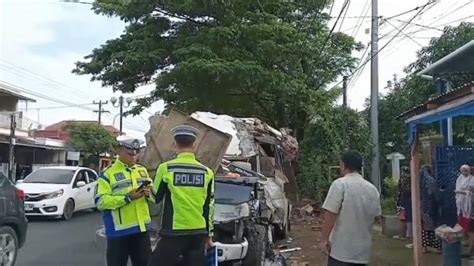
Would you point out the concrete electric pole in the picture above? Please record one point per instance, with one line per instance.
(344, 105)
(101, 110)
(374, 97)
(11, 150)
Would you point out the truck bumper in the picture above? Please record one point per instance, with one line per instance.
(230, 252)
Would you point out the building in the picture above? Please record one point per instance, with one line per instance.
(29, 152)
(58, 131)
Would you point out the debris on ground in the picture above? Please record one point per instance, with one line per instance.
(307, 210)
(277, 260)
(289, 250)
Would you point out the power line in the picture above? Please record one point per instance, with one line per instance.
(361, 21)
(419, 25)
(409, 11)
(356, 17)
(420, 9)
(25, 71)
(346, 3)
(42, 95)
(450, 12)
(406, 35)
(345, 14)
(55, 107)
(444, 24)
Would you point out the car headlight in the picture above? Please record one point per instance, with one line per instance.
(227, 212)
(54, 194)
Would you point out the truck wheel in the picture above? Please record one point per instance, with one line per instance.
(258, 242)
(282, 232)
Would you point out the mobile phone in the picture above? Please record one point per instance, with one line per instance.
(143, 185)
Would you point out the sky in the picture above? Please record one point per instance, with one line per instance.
(40, 40)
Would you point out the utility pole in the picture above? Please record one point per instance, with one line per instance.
(374, 97)
(101, 110)
(11, 152)
(344, 106)
(344, 91)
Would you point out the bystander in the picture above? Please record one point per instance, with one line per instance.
(351, 206)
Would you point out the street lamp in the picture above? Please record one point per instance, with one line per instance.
(120, 104)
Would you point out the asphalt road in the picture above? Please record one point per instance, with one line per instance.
(63, 243)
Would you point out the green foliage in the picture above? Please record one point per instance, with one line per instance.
(390, 187)
(410, 91)
(388, 206)
(389, 197)
(323, 146)
(91, 139)
(243, 57)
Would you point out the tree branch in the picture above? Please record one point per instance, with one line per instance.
(174, 15)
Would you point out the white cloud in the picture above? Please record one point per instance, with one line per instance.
(47, 37)
(402, 51)
(39, 44)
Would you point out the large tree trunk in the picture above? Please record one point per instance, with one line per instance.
(291, 188)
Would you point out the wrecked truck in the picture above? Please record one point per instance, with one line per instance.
(247, 157)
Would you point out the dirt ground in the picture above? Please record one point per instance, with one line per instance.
(306, 233)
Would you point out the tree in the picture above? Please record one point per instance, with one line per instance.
(265, 58)
(323, 146)
(91, 139)
(410, 91)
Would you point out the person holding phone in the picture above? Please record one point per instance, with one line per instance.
(123, 192)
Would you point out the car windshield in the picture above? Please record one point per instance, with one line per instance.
(227, 193)
(50, 176)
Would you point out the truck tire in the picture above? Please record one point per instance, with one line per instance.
(282, 232)
(258, 243)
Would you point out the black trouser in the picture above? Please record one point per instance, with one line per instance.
(334, 262)
(137, 246)
(179, 250)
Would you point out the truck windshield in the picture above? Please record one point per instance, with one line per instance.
(227, 193)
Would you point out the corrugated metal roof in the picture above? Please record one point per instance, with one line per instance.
(4, 88)
(460, 61)
(441, 99)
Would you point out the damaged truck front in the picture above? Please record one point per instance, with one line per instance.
(247, 157)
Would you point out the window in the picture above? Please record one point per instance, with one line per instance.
(92, 176)
(50, 176)
(81, 176)
(3, 179)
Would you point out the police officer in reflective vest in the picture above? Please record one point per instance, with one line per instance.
(123, 192)
(187, 187)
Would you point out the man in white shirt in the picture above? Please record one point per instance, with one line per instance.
(351, 206)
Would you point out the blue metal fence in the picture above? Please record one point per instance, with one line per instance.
(447, 160)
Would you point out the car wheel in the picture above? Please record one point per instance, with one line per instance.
(8, 246)
(68, 209)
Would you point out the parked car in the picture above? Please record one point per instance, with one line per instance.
(13, 223)
(59, 191)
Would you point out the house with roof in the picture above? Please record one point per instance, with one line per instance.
(58, 130)
(29, 152)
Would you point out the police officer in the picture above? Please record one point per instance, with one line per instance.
(187, 187)
(122, 194)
